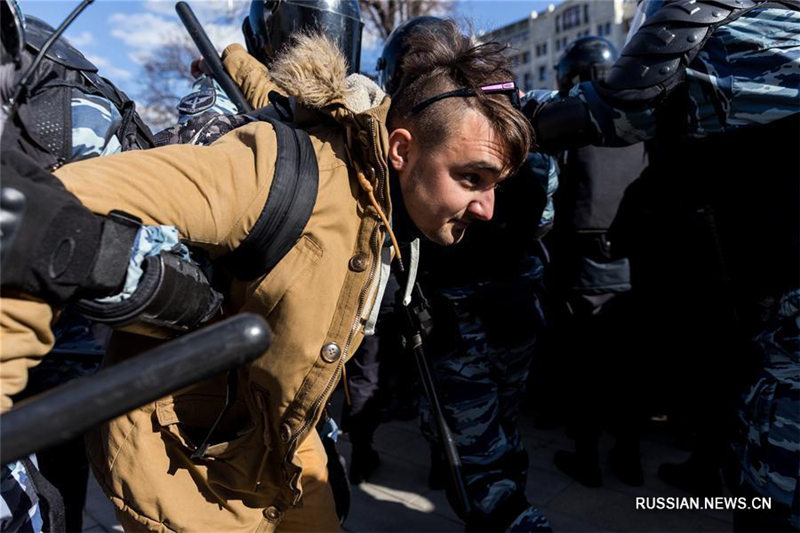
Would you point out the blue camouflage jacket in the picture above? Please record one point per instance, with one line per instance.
(747, 73)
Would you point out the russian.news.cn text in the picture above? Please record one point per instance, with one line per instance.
(692, 503)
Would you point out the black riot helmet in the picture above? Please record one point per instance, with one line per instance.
(395, 47)
(585, 59)
(271, 22)
(12, 32)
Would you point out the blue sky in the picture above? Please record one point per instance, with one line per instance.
(117, 34)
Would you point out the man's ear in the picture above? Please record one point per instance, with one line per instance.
(399, 147)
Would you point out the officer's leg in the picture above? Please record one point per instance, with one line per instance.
(470, 399)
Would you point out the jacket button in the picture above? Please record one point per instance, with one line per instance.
(285, 432)
(272, 513)
(331, 352)
(358, 263)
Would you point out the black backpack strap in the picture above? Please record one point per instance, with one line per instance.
(288, 207)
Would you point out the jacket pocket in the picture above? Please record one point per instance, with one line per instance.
(187, 418)
(232, 465)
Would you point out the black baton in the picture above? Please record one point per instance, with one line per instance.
(69, 410)
(414, 328)
(209, 53)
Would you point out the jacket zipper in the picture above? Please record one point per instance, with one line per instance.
(359, 310)
(383, 177)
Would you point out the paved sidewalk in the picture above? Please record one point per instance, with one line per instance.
(398, 497)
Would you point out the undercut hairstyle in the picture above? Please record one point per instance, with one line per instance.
(439, 58)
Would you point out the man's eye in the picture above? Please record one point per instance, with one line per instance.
(472, 179)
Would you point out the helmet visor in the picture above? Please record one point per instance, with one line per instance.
(337, 19)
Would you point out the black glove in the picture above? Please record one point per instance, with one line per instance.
(53, 247)
(560, 124)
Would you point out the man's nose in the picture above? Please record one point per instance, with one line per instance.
(482, 208)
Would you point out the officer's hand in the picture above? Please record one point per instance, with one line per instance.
(529, 107)
(199, 67)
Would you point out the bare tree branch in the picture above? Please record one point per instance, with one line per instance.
(382, 16)
(165, 74)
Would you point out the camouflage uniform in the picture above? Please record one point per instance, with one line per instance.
(741, 96)
(207, 97)
(770, 446)
(747, 73)
(485, 325)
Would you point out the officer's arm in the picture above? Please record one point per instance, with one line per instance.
(585, 117)
(211, 194)
(249, 74)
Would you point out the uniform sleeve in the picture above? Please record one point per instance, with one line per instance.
(249, 74)
(614, 126)
(26, 338)
(212, 194)
(198, 103)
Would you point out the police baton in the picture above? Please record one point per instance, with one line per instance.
(68, 411)
(412, 317)
(209, 53)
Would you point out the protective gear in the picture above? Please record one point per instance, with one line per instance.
(38, 31)
(12, 209)
(560, 124)
(62, 88)
(585, 59)
(12, 32)
(272, 22)
(389, 67)
(655, 57)
(60, 248)
(644, 10)
(173, 296)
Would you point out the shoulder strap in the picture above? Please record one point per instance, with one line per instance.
(288, 207)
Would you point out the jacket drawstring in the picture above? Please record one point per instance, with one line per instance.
(367, 186)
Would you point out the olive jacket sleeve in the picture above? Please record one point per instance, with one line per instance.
(249, 74)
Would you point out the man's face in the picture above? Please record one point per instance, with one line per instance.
(451, 186)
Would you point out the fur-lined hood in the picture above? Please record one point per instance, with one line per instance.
(313, 71)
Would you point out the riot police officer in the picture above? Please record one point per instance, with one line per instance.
(594, 286)
(712, 85)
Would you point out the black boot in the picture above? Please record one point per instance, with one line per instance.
(363, 462)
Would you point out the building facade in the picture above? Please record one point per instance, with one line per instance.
(537, 42)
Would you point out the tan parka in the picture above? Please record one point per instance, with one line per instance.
(316, 300)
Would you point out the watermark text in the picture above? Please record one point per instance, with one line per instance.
(717, 503)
